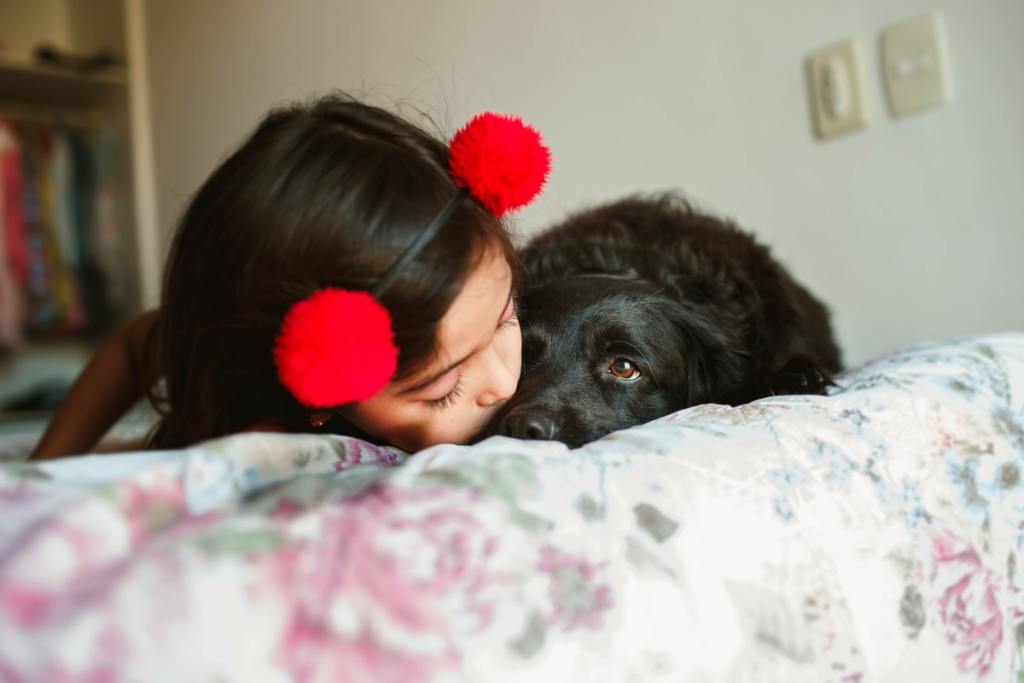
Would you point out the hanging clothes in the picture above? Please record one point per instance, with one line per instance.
(62, 253)
(42, 310)
(10, 303)
(92, 278)
(109, 247)
(13, 215)
(64, 231)
(10, 292)
(12, 241)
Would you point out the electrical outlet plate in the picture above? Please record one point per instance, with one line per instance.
(836, 79)
(914, 62)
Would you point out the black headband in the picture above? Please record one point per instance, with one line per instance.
(419, 242)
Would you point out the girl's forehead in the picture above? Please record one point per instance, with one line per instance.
(476, 312)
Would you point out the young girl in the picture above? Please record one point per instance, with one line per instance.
(343, 270)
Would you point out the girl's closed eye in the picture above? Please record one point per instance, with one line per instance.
(511, 321)
(510, 317)
(449, 399)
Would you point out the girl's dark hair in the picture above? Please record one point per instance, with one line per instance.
(324, 194)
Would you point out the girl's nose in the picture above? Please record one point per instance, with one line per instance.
(500, 380)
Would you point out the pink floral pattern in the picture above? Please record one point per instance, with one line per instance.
(969, 603)
(381, 586)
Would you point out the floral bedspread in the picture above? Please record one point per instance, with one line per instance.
(872, 535)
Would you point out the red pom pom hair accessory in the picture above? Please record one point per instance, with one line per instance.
(337, 346)
(502, 161)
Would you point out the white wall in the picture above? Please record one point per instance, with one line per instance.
(910, 230)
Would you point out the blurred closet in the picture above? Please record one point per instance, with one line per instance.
(75, 228)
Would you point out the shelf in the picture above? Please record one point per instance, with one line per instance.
(28, 83)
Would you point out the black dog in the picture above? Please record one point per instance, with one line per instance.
(643, 307)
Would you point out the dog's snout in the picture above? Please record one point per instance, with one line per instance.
(521, 424)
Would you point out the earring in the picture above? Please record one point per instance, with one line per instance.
(319, 419)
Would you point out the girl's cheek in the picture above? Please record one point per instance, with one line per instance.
(511, 350)
(439, 432)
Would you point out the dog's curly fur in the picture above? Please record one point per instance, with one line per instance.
(692, 302)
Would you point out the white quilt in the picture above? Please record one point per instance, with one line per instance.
(872, 535)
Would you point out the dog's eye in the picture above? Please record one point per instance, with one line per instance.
(624, 369)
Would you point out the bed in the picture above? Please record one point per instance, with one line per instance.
(871, 535)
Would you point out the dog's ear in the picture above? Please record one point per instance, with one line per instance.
(715, 363)
(546, 263)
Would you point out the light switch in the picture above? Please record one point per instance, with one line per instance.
(836, 75)
(914, 61)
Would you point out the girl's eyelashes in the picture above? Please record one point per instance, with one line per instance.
(449, 399)
(512, 313)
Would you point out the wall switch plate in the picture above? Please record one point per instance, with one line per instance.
(914, 62)
(836, 79)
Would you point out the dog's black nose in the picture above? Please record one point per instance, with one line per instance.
(528, 425)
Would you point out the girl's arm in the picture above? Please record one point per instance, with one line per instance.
(115, 378)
